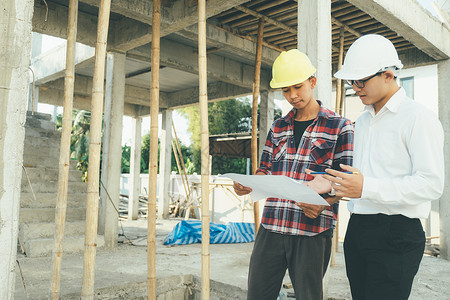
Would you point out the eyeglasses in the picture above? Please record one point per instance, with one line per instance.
(362, 82)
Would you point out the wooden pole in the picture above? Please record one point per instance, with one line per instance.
(175, 152)
(203, 101)
(64, 152)
(341, 104)
(339, 96)
(342, 99)
(153, 164)
(178, 149)
(95, 141)
(256, 86)
(339, 82)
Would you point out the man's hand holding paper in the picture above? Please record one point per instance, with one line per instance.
(275, 186)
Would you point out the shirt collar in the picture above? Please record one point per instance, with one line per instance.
(323, 112)
(393, 103)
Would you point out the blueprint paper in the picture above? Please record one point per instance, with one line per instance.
(277, 186)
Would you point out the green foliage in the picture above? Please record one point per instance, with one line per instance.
(229, 116)
(79, 142)
(145, 156)
(125, 161)
(226, 116)
(145, 153)
(221, 165)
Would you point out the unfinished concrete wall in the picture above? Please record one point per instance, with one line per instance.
(15, 52)
(314, 39)
(444, 116)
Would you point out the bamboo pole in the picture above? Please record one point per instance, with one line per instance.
(339, 83)
(256, 86)
(341, 101)
(336, 229)
(339, 96)
(178, 149)
(203, 101)
(175, 152)
(95, 140)
(153, 163)
(64, 152)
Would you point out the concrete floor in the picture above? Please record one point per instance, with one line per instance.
(122, 274)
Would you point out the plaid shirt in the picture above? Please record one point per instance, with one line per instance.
(326, 143)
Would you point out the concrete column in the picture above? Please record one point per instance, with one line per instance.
(314, 39)
(266, 111)
(36, 49)
(444, 116)
(33, 95)
(105, 154)
(135, 170)
(15, 52)
(114, 94)
(165, 163)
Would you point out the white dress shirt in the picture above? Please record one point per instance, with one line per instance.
(400, 153)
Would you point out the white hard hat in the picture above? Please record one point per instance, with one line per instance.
(368, 55)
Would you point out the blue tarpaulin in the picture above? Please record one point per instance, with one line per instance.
(190, 232)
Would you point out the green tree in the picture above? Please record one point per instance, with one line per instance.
(228, 116)
(79, 142)
(145, 154)
(125, 162)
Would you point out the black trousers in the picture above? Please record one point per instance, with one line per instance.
(382, 255)
(305, 257)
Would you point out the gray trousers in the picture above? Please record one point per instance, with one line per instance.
(305, 257)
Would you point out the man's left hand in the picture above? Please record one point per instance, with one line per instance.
(310, 210)
(313, 211)
(346, 185)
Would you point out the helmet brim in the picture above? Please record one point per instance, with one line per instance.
(342, 74)
(278, 85)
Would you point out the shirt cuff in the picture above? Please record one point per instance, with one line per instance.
(262, 171)
(370, 188)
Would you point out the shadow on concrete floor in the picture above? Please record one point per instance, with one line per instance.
(122, 273)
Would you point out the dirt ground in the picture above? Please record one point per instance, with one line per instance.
(127, 266)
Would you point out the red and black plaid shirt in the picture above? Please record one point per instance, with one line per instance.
(326, 143)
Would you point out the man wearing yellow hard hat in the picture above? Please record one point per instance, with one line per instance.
(399, 158)
(296, 236)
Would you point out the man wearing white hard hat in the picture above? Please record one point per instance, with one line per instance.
(296, 236)
(399, 158)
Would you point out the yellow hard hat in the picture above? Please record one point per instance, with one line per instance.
(290, 68)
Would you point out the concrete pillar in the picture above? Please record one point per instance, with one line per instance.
(135, 170)
(15, 52)
(314, 39)
(165, 163)
(266, 111)
(105, 155)
(33, 95)
(444, 116)
(114, 94)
